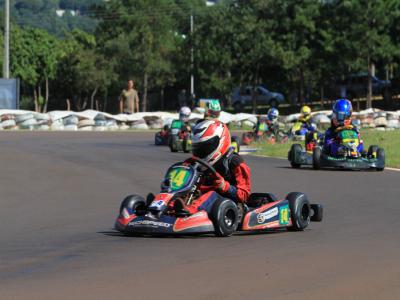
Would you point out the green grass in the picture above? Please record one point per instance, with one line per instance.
(389, 140)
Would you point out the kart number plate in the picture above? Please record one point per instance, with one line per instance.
(284, 215)
(179, 178)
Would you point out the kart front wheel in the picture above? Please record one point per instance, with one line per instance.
(173, 144)
(316, 158)
(292, 155)
(300, 211)
(187, 145)
(380, 155)
(224, 215)
(134, 204)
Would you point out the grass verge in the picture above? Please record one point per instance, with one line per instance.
(389, 140)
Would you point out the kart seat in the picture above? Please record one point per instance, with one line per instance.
(258, 199)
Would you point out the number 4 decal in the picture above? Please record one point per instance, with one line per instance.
(284, 215)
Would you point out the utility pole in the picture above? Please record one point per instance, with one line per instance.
(6, 64)
(191, 60)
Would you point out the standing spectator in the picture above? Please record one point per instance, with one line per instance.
(129, 99)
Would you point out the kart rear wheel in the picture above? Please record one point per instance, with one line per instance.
(173, 144)
(186, 145)
(372, 151)
(380, 155)
(292, 155)
(134, 204)
(300, 210)
(316, 158)
(224, 215)
(318, 212)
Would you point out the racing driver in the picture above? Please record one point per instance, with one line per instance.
(212, 143)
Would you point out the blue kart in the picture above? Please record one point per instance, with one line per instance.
(346, 151)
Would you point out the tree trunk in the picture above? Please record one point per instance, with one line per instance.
(369, 94)
(92, 98)
(162, 99)
(85, 102)
(39, 98)
(47, 95)
(35, 97)
(105, 101)
(144, 99)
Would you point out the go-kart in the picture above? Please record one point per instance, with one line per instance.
(298, 156)
(344, 152)
(166, 213)
(265, 133)
(180, 137)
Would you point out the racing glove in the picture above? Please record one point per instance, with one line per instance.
(220, 184)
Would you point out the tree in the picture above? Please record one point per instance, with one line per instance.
(364, 38)
(142, 36)
(34, 58)
(83, 70)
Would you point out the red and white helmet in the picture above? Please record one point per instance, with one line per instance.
(211, 140)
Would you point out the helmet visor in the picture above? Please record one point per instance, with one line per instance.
(204, 149)
(342, 115)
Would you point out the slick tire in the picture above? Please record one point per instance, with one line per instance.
(173, 145)
(316, 158)
(186, 146)
(380, 155)
(373, 151)
(318, 212)
(224, 215)
(134, 204)
(292, 156)
(300, 211)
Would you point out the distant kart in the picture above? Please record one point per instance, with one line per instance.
(270, 135)
(180, 137)
(298, 156)
(343, 152)
(164, 213)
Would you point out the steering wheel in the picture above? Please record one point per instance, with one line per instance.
(204, 164)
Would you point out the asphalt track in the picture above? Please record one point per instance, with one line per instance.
(60, 193)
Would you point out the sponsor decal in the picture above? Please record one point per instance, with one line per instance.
(157, 204)
(150, 223)
(284, 215)
(269, 214)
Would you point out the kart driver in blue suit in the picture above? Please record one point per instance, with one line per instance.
(341, 119)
